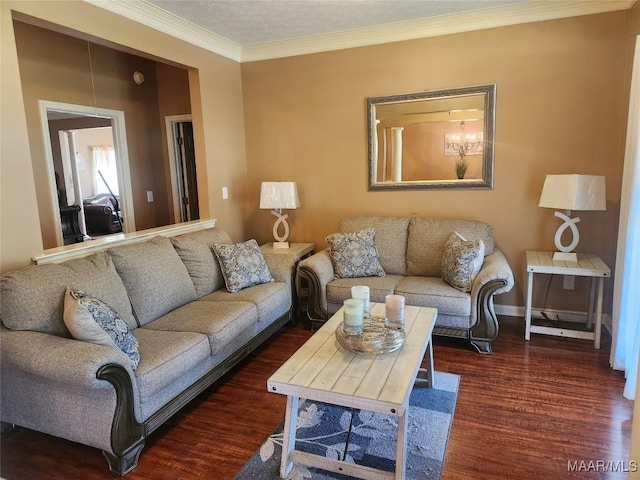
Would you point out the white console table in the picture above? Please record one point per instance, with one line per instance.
(588, 265)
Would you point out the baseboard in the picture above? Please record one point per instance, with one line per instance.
(565, 315)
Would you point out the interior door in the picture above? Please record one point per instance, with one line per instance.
(186, 168)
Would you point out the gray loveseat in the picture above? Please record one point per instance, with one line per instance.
(190, 331)
(410, 251)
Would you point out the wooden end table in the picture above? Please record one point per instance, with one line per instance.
(588, 265)
(324, 371)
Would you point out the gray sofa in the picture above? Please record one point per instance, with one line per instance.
(410, 251)
(190, 331)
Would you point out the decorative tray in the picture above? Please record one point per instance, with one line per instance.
(376, 337)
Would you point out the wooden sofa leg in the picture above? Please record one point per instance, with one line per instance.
(123, 464)
(482, 346)
(127, 435)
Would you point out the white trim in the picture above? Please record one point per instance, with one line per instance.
(152, 16)
(76, 250)
(148, 14)
(121, 151)
(171, 147)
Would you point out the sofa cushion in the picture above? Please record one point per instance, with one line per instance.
(433, 292)
(461, 261)
(33, 298)
(166, 357)
(355, 254)
(98, 277)
(89, 319)
(156, 279)
(242, 265)
(391, 239)
(427, 238)
(379, 287)
(221, 322)
(195, 250)
(272, 300)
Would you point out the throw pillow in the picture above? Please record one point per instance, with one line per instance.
(242, 265)
(461, 261)
(91, 320)
(355, 254)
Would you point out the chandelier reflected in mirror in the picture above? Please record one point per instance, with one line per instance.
(464, 144)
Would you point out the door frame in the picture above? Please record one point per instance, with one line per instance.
(120, 148)
(169, 122)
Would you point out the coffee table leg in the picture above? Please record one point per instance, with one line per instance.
(289, 435)
(401, 449)
(425, 375)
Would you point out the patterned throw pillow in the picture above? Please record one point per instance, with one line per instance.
(91, 320)
(242, 265)
(355, 254)
(461, 261)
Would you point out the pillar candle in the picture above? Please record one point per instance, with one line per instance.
(394, 311)
(361, 292)
(353, 316)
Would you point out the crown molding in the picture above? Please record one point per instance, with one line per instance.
(148, 14)
(534, 11)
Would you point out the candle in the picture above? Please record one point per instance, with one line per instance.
(353, 311)
(394, 311)
(361, 292)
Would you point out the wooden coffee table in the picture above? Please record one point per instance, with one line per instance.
(322, 370)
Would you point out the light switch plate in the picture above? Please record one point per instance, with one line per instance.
(569, 282)
(225, 193)
(149, 196)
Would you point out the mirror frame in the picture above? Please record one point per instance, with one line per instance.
(489, 92)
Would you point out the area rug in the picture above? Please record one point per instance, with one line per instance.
(323, 430)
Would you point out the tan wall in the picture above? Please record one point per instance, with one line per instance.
(560, 108)
(60, 68)
(173, 99)
(218, 120)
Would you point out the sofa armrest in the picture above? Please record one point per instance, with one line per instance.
(495, 277)
(282, 267)
(68, 388)
(318, 270)
(495, 267)
(59, 359)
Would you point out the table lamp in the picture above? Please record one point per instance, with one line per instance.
(572, 192)
(279, 196)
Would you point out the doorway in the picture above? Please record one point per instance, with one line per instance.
(108, 170)
(182, 162)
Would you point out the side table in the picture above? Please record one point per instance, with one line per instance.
(588, 265)
(299, 251)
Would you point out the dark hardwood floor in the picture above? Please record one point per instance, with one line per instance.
(522, 413)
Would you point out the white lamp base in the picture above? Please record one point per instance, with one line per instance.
(565, 257)
(280, 244)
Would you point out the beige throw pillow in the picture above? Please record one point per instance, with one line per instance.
(461, 261)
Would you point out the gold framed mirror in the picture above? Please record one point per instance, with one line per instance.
(432, 139)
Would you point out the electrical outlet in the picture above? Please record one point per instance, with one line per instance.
(149, 196)
(569, 282)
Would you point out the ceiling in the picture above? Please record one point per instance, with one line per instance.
(251, 22)
(250, 30)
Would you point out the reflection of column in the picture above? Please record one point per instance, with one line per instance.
(385, 154)
(76, 181)
(375, 142)
(397, 153)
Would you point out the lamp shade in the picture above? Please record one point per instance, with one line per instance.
(279, 195)
(574, 192)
